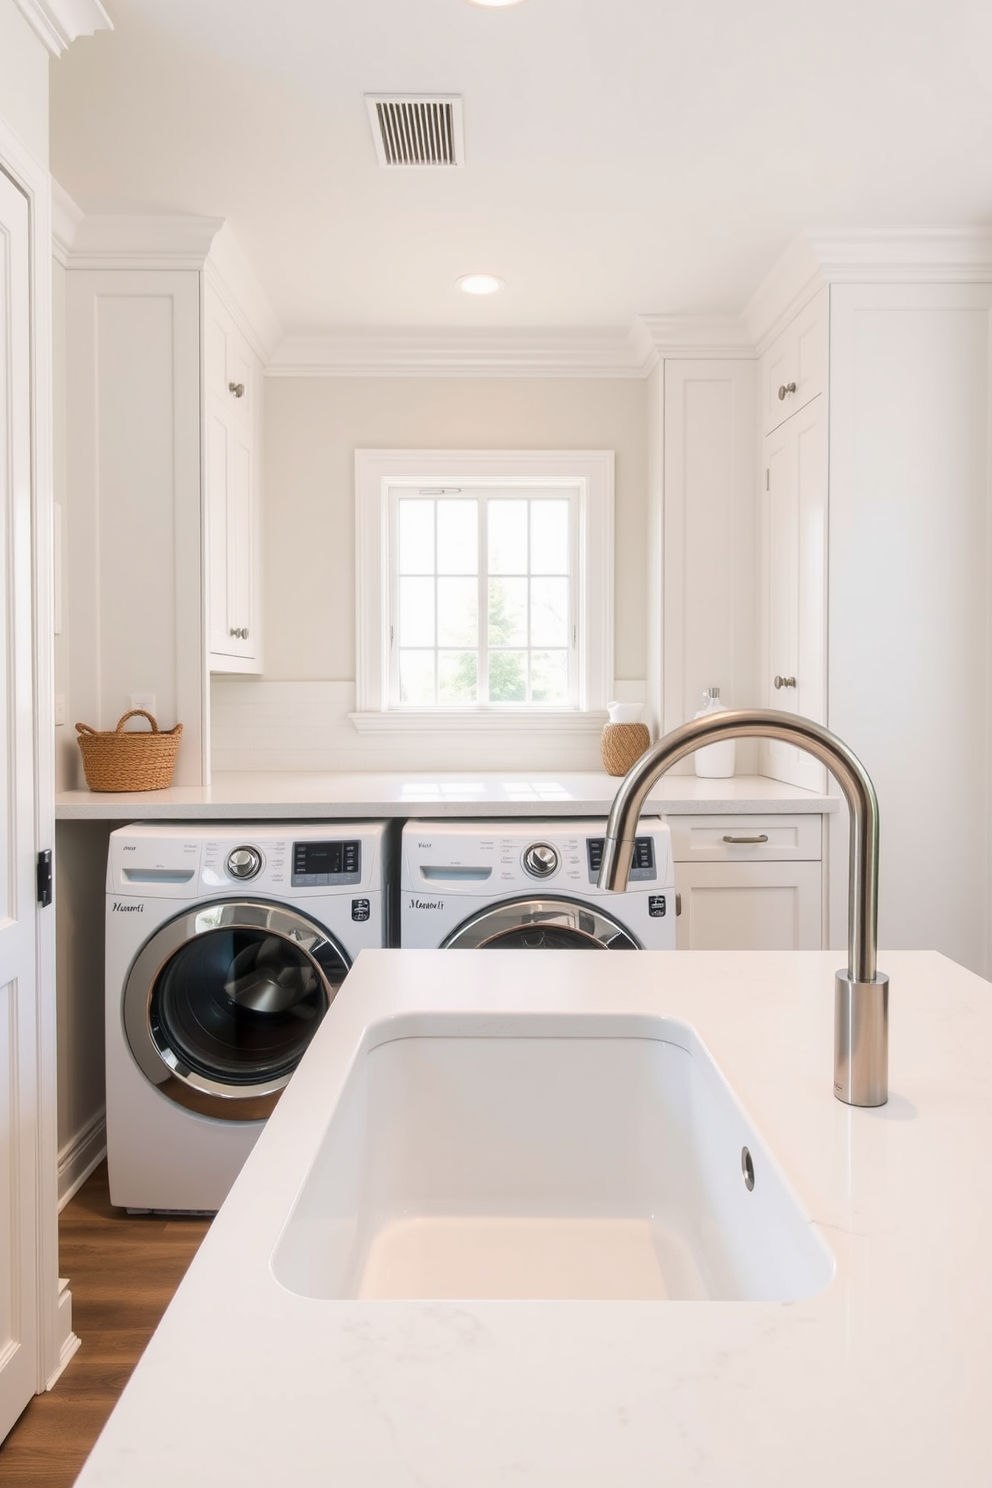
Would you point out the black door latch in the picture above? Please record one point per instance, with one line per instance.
(45, 877)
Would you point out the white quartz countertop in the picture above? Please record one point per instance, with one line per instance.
(882, 1378)
(275, 795)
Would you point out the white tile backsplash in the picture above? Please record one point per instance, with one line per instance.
(257, 724)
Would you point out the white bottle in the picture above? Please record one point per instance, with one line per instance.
(714, 761)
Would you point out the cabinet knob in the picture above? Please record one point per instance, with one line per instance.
(238, 389)
(240, 633)
(781, 682)
(787, 387)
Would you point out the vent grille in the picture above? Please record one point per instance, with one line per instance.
(411, 131)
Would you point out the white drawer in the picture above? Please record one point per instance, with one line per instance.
(746, 839)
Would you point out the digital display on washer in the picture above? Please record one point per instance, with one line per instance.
(642, 864)
(318, 863)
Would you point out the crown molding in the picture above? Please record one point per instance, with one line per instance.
(141, 241)
(949, 255)
(468, 353)
(554, 353)
(59, 22)
(793, 279)
(159, 241)
(234, 280)
(723, 336)
(66, 217)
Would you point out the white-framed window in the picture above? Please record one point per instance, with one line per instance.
(484, 588)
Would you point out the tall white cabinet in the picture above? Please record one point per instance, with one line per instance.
(876, 544)
(163, 427)
(792, 562)
(911, 591)
(232, 446)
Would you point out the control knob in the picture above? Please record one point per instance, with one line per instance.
(540, 860)
(244, 862)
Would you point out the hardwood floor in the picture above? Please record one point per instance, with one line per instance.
(122, 1272)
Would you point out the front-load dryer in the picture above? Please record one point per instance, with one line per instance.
(226, 943)
(532, 884)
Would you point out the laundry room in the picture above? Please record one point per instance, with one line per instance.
(494, 524)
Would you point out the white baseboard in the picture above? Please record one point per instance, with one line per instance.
(68, 1340)
(80, 1155)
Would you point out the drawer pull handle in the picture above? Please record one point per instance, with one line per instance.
(747, 841)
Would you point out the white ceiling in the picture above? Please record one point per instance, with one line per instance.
(622, 156)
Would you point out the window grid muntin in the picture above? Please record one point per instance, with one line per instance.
(564, 492)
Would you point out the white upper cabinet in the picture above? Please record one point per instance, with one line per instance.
(794, 368)
(793, 587)
(232, 419)
(163, 432)
(133, 499)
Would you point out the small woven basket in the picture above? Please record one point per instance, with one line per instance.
(136, 761)
(623, 744)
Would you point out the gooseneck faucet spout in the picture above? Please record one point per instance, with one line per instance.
(861, 998)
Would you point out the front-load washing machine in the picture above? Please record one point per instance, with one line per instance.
(226, 943)
(532, 884)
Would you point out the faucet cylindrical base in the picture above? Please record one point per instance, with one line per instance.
(861, 1040)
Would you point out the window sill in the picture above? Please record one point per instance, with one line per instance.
(494, 721)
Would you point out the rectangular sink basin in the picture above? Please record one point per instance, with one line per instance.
(569, 1157)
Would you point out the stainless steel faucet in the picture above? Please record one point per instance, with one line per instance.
(861, 998)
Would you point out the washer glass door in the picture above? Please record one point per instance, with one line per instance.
(541, 924)
(221, 1003)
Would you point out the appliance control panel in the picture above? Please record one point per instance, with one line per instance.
(493, 858)
(320, 864)
(159, 860)
(642, 864)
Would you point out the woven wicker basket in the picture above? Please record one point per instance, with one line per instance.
(136, 761)
(623, 743)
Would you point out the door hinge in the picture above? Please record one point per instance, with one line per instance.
(44, 877)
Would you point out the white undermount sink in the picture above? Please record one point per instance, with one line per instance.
(582, 1157)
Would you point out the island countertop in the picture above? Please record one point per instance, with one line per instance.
(882, 1378)
(291, 795)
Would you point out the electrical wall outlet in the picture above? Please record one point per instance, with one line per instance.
(59, 708)
(144, 700)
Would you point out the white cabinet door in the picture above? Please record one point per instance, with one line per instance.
(794, 523)
(19, 1178)
(232, 385)
(749, 906)
(794, 368)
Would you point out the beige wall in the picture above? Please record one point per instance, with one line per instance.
(313, 427)
(23, 81)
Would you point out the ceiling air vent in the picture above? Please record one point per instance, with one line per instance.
(416, 131)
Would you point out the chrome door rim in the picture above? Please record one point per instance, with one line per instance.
(161, 1066)
(497, 921)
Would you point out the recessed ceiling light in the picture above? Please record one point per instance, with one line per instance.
(480, 284)
(495, 2)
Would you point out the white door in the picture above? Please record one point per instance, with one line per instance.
(19, 1322)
